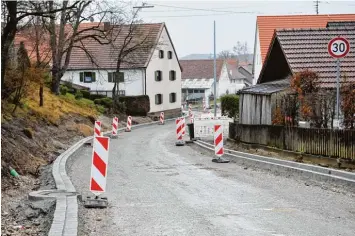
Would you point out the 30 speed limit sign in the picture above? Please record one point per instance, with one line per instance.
(338, 47)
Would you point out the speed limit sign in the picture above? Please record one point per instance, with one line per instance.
(338, 47)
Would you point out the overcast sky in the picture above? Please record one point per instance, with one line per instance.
(190, 23)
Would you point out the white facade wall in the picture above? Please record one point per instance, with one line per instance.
(133, 85)
(166, 86)
(257, 62)
(225, 83)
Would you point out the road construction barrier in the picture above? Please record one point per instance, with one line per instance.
(97, 128)
(191, 119)
(204, 126)
(114, 127)
(218, 140)
(179, 131)
(99, 165)
(183, 125)
(129, 124)
(161, 118)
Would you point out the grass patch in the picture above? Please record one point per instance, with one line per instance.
(55, 107)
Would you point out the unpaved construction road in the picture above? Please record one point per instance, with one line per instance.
(156, 188)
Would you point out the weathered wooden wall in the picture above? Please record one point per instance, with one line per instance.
(325, 142)
(255, 109)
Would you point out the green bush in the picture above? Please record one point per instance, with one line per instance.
(78, 95)
(230, 105)
(63, 90)
(106, 102)
(86, 94)
(97, 101)
(96, 96)
(136, 105)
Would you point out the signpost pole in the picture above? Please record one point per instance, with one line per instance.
(338, 89)
(214, 68)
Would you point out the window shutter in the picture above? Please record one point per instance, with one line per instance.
(109, 75)
(93, 74)
(81, 76)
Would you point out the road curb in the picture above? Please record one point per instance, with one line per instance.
(65, 220)
(346, 179)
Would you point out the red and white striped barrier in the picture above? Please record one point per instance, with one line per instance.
(179, 131)
(183, 126)
(97, 128)
(161, 118)
(218, 140)
(129, 124)
(114, 127)
(99, 165)
(190, 110)
(191, 119)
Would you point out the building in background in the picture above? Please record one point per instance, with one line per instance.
(266, 25)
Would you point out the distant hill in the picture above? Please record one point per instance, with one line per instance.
(249, 57)
(197, 57)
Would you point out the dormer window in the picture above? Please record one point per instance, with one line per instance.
(161, 54)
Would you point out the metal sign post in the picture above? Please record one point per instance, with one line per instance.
(338, 48)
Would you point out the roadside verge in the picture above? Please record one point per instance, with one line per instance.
(338, 177)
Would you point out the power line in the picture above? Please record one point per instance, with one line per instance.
(200, 9)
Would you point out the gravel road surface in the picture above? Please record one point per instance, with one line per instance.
(156, 188)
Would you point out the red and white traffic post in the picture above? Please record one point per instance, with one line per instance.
(129, 124)
(338, 48)
(183, 125)
(218, 144)
(161, 118)
(99, 165)
(97, 131)
(114, 127)
(179, 131)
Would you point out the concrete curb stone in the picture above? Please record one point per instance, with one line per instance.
(65, 219)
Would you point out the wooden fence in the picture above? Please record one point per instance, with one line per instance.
(325, 142)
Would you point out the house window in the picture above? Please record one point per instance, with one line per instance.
(195, 91)
(202, 91)
(170, 54)
(158, 75)
(161, 54)
(190, 91)
(172, 97)
(172, 75)
(113, 76)
(87, 77)
(158, 99)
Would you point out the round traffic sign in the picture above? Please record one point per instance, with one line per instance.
(338, 47)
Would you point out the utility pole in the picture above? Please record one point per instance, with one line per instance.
(317, 6)
(214, 68)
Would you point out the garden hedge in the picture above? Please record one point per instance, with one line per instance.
(230, 105)
(136, 105)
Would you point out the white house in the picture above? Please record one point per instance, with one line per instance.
(198, 78)
(152, 70)
(266, 26)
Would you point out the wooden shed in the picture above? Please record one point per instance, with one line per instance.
(257, 103)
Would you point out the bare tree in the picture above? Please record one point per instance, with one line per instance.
(241, 50)
(15, 14)
(225, 54)
(68, 34)
(128, 37)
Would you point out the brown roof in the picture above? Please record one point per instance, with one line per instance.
(267, 25)
(105, 56)
(307, 49)
(200, 69)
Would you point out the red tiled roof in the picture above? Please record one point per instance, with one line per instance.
(267, 25)
(200, 69)
(105, 56)
(307, 49)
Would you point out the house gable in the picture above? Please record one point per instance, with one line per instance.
(276, 66)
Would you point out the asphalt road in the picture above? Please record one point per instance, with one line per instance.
(156, 188)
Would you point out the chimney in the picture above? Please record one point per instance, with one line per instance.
(107, 26)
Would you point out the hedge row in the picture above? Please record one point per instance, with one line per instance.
(230, 105)
(136, 105)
